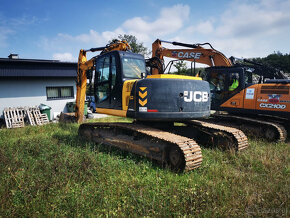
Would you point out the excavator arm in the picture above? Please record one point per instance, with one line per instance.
(84, 66)
(194, 53)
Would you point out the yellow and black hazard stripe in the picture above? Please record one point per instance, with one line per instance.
(143, 96)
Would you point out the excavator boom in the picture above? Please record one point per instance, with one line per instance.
(195, 53)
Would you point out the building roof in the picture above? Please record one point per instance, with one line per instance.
(36, 68)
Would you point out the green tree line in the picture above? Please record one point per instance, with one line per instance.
(277, 60)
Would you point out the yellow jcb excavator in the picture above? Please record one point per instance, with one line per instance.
(155, 102)
(260, 107)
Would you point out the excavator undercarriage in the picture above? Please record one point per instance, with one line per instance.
(175, 146)
(270, 130)
(285, 122)
(179, 152)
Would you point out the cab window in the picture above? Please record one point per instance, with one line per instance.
(217, 82)
(106, 74)
(114, 72)
(104, 69)
(217, 85)
(103, 74)
(133, 68)
(234, 81)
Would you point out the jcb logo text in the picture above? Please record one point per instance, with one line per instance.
(196, 96)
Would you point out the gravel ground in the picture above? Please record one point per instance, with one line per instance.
(96, 115)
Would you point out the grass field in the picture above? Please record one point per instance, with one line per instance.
(49, 171)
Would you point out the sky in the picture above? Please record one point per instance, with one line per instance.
(58, 29)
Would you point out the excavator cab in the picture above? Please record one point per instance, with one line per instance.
(225, 82)
(112, 70)
(240, 89)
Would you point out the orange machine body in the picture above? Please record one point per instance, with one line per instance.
(261, 98)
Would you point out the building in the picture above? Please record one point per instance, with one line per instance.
(29, 82)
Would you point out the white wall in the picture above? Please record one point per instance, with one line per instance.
(18, 92)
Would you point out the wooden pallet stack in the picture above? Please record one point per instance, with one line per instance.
(40, 119)
(16, 117)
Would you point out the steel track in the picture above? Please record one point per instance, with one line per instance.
(178, 151)
(270, 131)
(222, 136)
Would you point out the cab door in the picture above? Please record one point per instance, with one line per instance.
(235, 88)
(226, 87)
(105, 85)
(251, 91)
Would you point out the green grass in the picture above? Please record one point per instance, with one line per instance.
(49, 171)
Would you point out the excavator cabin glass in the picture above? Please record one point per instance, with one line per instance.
(224, 83)
(133, 68)
(112, 69)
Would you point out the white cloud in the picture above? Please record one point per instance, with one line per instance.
(5, 33)
(11, 26)
(204, 27)
(66, 57)
(170, 20)
(245, 28)
(260, 18)
(24, 21)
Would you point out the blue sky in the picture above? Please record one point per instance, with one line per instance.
(42, 29)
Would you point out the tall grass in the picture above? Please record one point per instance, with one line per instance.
(49, 171)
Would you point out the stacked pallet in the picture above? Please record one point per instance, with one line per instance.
(16, 117)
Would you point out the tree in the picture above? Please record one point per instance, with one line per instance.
(277, 60)
(181, 67)
(137, 47)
